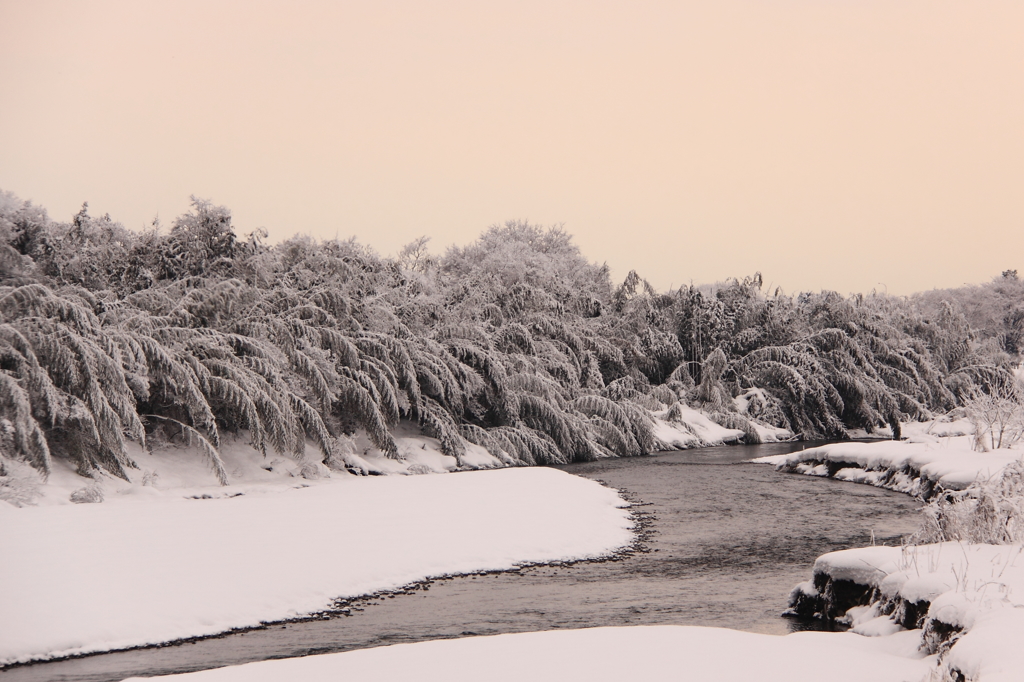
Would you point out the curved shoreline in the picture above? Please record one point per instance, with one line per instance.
(345, 606)
(189, 569)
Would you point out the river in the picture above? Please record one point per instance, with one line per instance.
(728, 540)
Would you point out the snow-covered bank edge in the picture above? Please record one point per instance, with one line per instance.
(192, 567)
(966, 600)
(343, 607)
(674, 428)
(923, 470)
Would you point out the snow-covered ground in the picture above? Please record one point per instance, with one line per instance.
(648, 653)
(174, 555)
(171, 471)
(916, 468)
(931, 431)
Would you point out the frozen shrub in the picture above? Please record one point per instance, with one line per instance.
(312, 471)
(87, 495)
(997, 415)
(675, 413)
(711, 394)
(19, 483)
(991, 512)
(731, 420)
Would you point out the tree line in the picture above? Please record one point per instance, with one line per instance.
(515, 342)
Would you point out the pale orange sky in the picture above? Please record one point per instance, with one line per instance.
(836, 144)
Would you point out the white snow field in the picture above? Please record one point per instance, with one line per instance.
(152, 564)
(648, 653)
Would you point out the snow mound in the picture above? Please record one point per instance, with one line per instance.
(692, 428)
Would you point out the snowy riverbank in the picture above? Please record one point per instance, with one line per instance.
(947, 611)
(175, 471)
(964, 600)
(148, 567)
(964, 603)
(922, 469)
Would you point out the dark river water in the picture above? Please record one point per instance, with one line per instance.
(728, 540)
